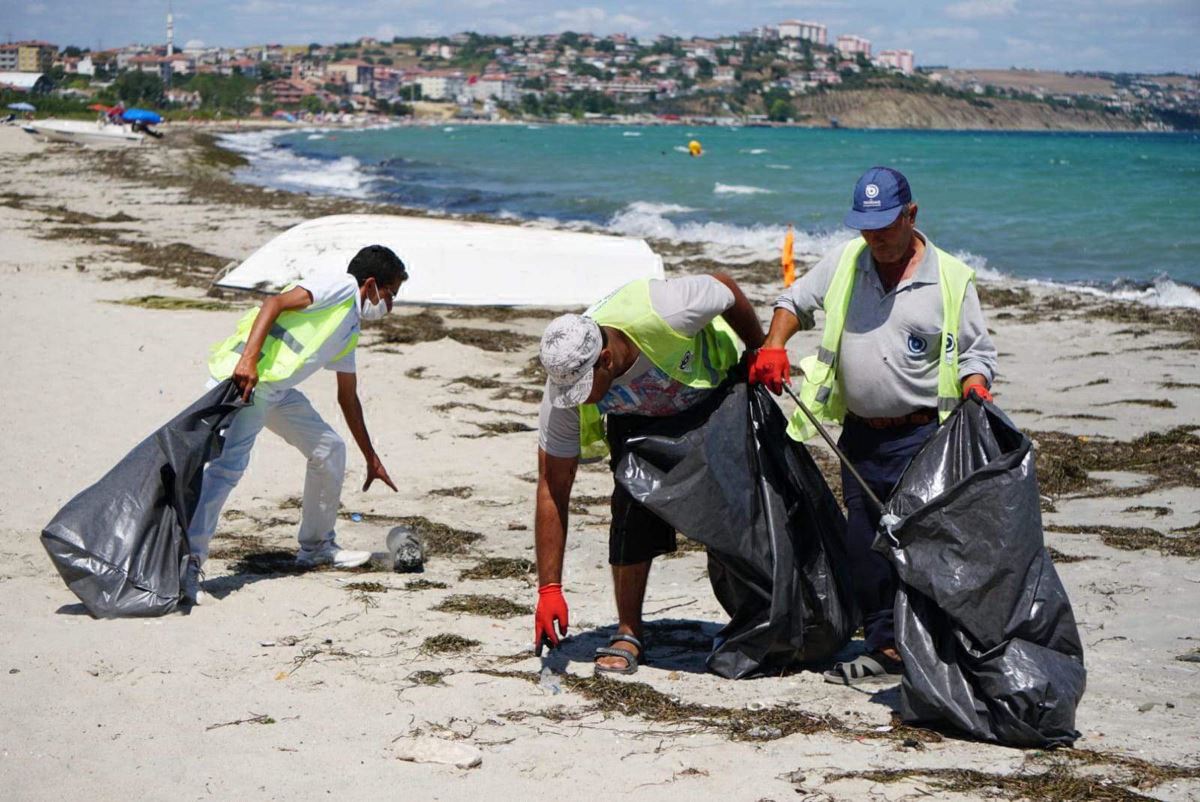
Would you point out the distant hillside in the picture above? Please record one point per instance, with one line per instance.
(894, 108)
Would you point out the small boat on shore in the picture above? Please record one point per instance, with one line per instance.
(455, 262)
(83, 132)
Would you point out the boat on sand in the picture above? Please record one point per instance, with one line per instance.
(455, 262)
(84, 132)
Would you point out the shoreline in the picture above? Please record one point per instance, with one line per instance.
(1163, 292)
(124, 244)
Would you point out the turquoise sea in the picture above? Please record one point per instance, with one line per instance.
(1120, 212)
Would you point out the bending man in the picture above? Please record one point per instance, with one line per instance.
(310, 326)
(904, 340)
(648, 350)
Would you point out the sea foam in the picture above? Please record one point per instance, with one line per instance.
(740, 189)
(282, 168)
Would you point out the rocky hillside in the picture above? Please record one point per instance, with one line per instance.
(893, 108)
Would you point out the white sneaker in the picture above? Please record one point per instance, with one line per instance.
(330, 553)
(189, 586)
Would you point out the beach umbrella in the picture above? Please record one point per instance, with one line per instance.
(21, 106)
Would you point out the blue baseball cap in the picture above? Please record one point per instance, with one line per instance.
(879, 197)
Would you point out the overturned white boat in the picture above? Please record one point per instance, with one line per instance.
(84, 132)
(457, 263)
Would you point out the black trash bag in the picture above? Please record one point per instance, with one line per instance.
(121, 544)
(775, 534)
(983, 622)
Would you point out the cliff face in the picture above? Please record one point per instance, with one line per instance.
(892, 108)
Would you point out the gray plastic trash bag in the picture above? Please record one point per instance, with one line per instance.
(773, 530)
(120, 545)
(983, 622)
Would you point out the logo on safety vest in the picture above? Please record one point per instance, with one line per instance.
(685, 364)
(950, 343)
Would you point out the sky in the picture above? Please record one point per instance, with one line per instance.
(1112, 35)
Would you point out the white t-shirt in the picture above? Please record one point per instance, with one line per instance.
(327, 289)
(687, 305)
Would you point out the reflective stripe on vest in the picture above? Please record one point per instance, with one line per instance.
(821, 389)
(294, 337)
(701, 360)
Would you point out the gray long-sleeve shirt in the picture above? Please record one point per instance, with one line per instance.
(888, 360)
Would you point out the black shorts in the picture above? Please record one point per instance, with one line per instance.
(635, 534)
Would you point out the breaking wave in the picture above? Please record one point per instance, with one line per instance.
(282, 168)
(740, 189)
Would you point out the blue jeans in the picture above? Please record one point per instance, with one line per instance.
(880, 456)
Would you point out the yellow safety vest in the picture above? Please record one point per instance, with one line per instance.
(701, 360)
(821, 389)
(294, 338)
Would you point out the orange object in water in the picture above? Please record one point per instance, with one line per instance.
(786, 260)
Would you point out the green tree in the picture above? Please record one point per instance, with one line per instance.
(531, 105)
(137, 88)
(312, 104)
(780, 111)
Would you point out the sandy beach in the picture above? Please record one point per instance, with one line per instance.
(304, 686)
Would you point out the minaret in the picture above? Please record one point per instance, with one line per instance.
(170, 31)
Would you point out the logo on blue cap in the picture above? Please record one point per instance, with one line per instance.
(879, 196)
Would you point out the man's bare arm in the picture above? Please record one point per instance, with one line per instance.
(741, 316)
(556, 477)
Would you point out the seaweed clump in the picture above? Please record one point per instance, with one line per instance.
(639, 700)
(427, 326)
(460, 491)
(1045, 775)
(484, 605)
(425, 584)
(499, 568)
(1172, 458)
(166, 302)
(495, 428)
(1130, 538)
(447, 643)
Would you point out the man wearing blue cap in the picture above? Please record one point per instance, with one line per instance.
(904, 341)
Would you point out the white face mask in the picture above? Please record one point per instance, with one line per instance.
(374, 310)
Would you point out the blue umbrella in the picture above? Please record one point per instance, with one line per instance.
(21, 107)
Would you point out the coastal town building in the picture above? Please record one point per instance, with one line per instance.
(355, 73)
(155, 65)
(441, 85)
(901, 60)
(851, 45)
(813, 32)
(34, 56)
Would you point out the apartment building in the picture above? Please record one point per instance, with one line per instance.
(901, 60)
(813, 32)
(850, 46)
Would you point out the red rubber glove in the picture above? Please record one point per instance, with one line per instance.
(551, 607)
(770, 367)
(979, 391)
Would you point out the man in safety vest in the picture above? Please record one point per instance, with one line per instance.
(648, 350)
(311, 325)
(904, 342)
